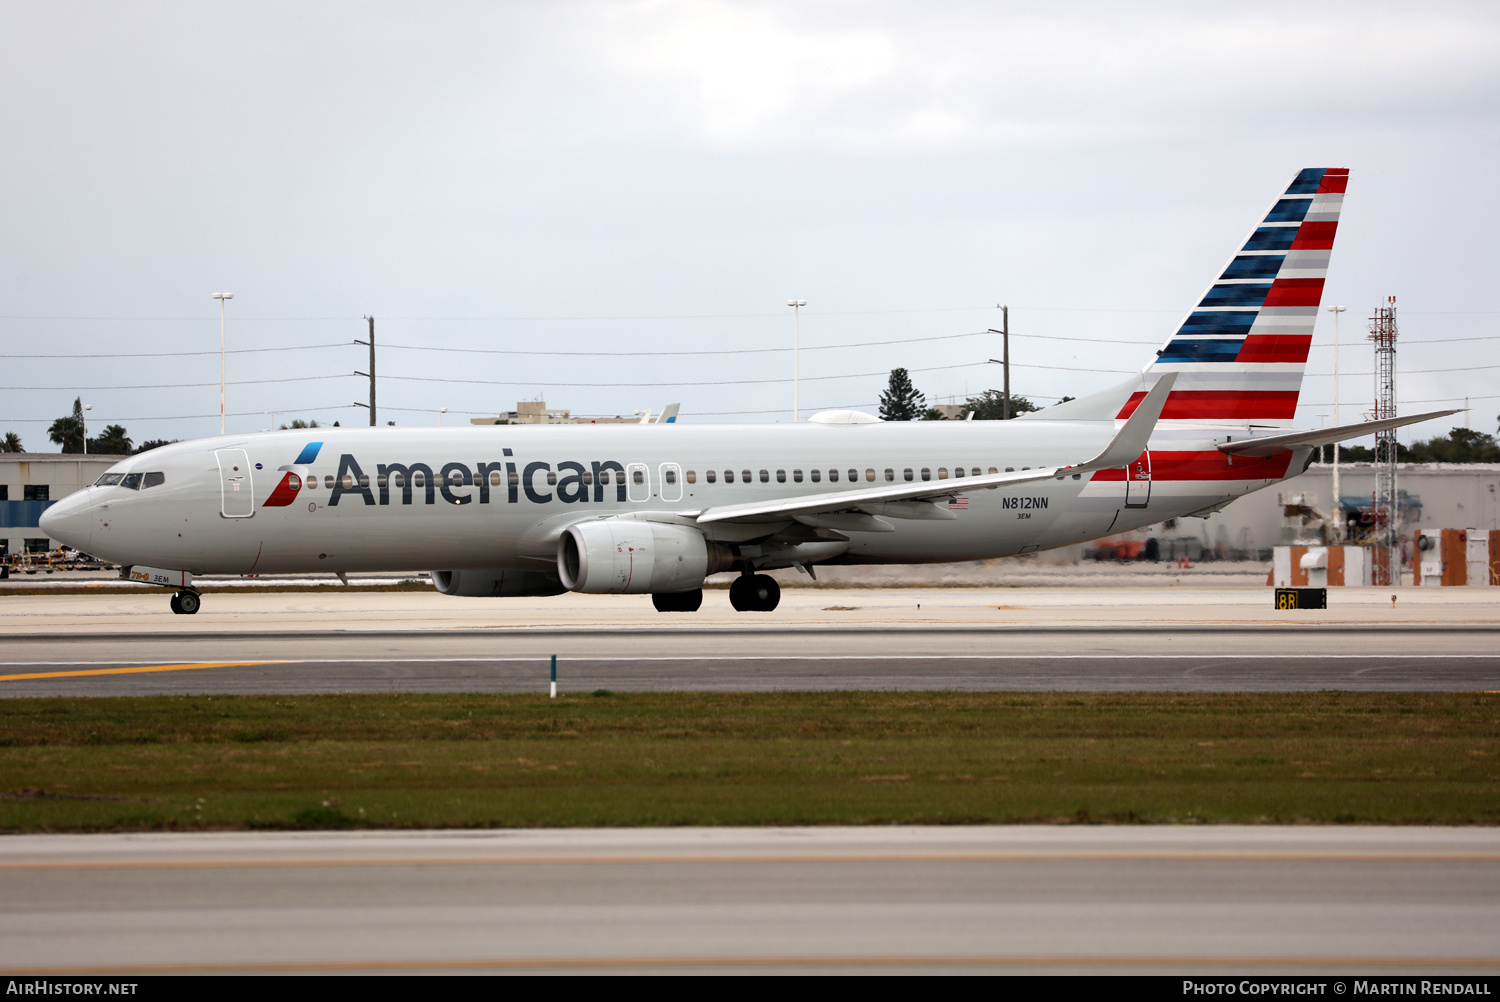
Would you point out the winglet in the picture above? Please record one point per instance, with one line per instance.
(1131, 440)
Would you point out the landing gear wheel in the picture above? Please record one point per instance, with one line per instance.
(176, 605)
(739, 593)
(678, 601)
(186, 602)
(755, 593)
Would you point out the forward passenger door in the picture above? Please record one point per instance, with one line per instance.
(236, 487)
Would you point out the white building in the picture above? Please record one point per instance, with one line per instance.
(29, 482)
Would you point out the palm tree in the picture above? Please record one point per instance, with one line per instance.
(114, 442)
(12, 443)
(68, 431)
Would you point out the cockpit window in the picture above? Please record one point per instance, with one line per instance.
(153, 480)
(132, 482)
(109, 480)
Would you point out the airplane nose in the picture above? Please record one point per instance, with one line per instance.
(70, 521)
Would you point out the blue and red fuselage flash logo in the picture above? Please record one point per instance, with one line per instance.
(286, 491)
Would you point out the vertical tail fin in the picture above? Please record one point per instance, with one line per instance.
(1242, 350)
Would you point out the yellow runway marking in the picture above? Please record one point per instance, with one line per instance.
(763, 858)
(136, 670)
(802, 961)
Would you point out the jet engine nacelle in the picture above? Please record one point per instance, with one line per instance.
(496, 583)
(629, 556)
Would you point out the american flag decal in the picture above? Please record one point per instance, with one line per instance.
(960, 502)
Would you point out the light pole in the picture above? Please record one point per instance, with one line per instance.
(441, 412)
(1338, 515)
(86, 409)
(221, 297)
(796, 305)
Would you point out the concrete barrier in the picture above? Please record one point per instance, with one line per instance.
(1320, 566)
(1457, 558)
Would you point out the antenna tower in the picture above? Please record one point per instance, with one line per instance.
(1387, 562)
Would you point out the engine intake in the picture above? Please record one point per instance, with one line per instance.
(615, 556)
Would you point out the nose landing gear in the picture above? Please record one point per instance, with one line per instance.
(186, 602)
(754, 593)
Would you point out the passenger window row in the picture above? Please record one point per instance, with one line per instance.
(834, 475)
(908, 474)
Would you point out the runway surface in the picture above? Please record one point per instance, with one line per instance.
(1185, 659)
(1078, 639)
(1252, 900)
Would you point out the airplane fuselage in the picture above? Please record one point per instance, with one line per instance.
(412, 499)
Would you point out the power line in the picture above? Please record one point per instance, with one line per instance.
(621, 354)
(176, 386)
(1429, 400)
(189, 417)
(185, 354)
(709, 351)
(717, 382)
(664, 316)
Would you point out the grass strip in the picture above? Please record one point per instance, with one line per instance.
(381, 761)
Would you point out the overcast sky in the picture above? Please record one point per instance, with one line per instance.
(587, 178)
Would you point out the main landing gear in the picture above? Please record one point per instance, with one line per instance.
(754, 593)
(677, 601)
(186, 602)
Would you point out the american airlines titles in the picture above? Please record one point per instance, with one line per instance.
(459, 484)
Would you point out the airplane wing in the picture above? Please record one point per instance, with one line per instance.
(1271, 444)
(1129, 442)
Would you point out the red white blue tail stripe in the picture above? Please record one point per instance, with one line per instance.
(1242, 350)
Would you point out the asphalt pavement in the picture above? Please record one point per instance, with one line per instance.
(1163, 639)
(1252, 900)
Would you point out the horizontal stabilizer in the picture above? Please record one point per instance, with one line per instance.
(1271, 444)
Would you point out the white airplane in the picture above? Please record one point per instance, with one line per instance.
(636, 508)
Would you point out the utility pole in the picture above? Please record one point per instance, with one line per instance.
(1004, 358)
(1005, 354)
(371, 373)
